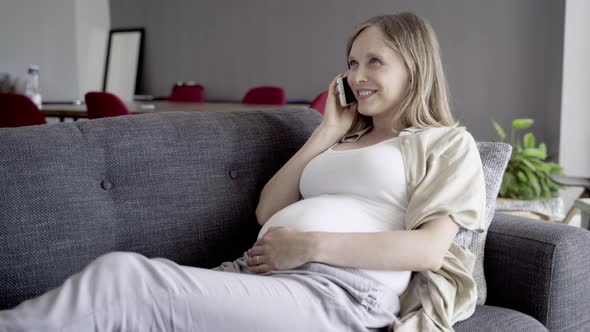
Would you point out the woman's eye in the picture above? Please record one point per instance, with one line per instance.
(375, 60)
(352, 63)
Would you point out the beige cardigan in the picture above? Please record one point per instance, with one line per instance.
(444, 177)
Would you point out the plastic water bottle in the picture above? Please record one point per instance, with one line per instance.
(32, 85)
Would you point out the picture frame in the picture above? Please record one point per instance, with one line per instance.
(123, 62)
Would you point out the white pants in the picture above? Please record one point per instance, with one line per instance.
(129, 292)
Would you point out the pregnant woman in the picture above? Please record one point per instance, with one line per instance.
(358, 225)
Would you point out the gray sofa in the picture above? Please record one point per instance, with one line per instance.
(185, 186)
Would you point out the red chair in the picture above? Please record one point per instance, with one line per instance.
(104, 105)
(265, 95)
(187, 93)
(319, 103)
(18, 111)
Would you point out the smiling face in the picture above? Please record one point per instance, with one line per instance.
(377, 75)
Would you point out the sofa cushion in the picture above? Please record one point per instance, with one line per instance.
(494, 158)
(183, 186)
(490, 318)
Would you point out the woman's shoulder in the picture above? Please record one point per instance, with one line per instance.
(439, 134)
(437, 148)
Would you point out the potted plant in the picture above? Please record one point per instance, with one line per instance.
(526, 187)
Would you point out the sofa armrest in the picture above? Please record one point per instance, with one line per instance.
(541, 269)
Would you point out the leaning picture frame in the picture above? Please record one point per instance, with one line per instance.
(123, 62)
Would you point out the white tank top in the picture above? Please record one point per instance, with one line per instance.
(357, 190)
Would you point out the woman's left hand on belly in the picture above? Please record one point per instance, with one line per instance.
(281, 248)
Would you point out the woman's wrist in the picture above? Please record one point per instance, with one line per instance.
(313, 246)
(328, 132)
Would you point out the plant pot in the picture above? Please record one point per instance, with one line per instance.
(543, 209)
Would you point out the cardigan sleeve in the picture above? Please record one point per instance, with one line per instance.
(445, 179)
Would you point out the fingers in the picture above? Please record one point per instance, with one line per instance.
(333, 96)
(257, 250)
(256, 256)
(263, 268)
(255, 260)
(333, 86)
(257, 264)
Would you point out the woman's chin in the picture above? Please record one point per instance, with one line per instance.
(365, 110)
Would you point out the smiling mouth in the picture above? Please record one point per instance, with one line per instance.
(365, 93)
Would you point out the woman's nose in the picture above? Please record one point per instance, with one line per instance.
(357, 76)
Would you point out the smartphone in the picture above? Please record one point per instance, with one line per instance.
(345, 93)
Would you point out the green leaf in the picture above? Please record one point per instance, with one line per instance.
(521, 176)
(520, 159)
(522, 123)
(537, 153)
(499, 130)
(526, 192)
(533, 182)
(543, 148)
(528, 164)
(554, 168)
(540, 165)
(529, 140)
(546, 190)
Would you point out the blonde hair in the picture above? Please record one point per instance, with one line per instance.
(426, 103)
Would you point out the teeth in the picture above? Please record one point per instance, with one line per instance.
(366, 92)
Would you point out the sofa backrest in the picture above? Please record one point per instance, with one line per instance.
(183, 186)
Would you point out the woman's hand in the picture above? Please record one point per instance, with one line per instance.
(336, 117)
(281, 248)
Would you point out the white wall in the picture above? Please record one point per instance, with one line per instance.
(42, 33)
(65, 38)
(574, 150)
(92, 33)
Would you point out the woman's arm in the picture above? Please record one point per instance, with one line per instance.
(422, 249)
(282, 189)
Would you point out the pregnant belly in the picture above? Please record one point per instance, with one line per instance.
(331, 213)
